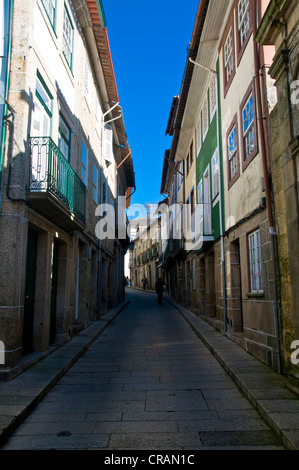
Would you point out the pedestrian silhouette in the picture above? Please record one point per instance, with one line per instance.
(144, 282)
(160, 288)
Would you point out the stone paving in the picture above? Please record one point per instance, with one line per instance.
(148, 381)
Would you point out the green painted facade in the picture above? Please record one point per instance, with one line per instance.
(204, 158)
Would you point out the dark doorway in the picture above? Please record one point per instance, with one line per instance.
(54, 293)
(27, 346)
(236, 280)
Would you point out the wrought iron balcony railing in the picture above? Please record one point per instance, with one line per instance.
(51, 173)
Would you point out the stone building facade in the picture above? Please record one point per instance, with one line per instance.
(221, 116)
(280, 28)
(144, 256)
(64, 153)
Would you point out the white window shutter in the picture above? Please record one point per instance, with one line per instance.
(108, 144)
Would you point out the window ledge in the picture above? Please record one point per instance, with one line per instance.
(255, 294)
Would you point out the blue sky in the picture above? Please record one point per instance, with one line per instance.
(148, 42)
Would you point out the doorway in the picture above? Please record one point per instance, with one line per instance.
(54, 293)
(236, 319)
(27, 346)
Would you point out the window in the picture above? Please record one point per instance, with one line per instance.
(245, 25)
(68, 38)
(198, 135)
(213, 97)
(95, 183)
(50, 7)
(233, 153)
(84, 164)
(215, 174)
(188, 214)
(191, 155)
(243, 20)
(249, 134)
(40, 127)
(229, 55)
(108, 144)
(248, 126)
(180, 176)
(105, 191)
(205, 118)
(255, 262)
(207, 202)
(199, 193)
(189, 158)
(64, 138)
(192, 202)
(42, 113)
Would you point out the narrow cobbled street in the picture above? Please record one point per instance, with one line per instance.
(148, 382)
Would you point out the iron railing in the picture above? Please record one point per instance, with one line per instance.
(50, 172)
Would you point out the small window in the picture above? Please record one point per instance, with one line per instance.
(68, 38)
(255, 262)
(233, 153)
(188, 214)
(215, 174)
(192, 201)
(84, 164)
(229, 55)
(42, 112)
(245, 26)
(187, 164)
(213, 97)
(105, 192)
(50, 7)
(199, 193)
(108, 147)
(205, 118)
(95, 184)
(180, 176)
(43, 94)
(249, 127)
(198, 135)
(64, 138)
(191, 155)
(243, 20)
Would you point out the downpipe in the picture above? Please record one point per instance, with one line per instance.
(272, 231)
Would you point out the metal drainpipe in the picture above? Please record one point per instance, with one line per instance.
(272, 231)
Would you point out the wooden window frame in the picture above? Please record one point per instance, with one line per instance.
(241, 48)
(232, 179)
(250, 291)
(254, 151)
(229, 26)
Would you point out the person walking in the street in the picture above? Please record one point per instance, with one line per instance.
(160, 287)
(144, 282)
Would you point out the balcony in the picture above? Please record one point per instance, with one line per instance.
(201, 226)
(55, 190)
